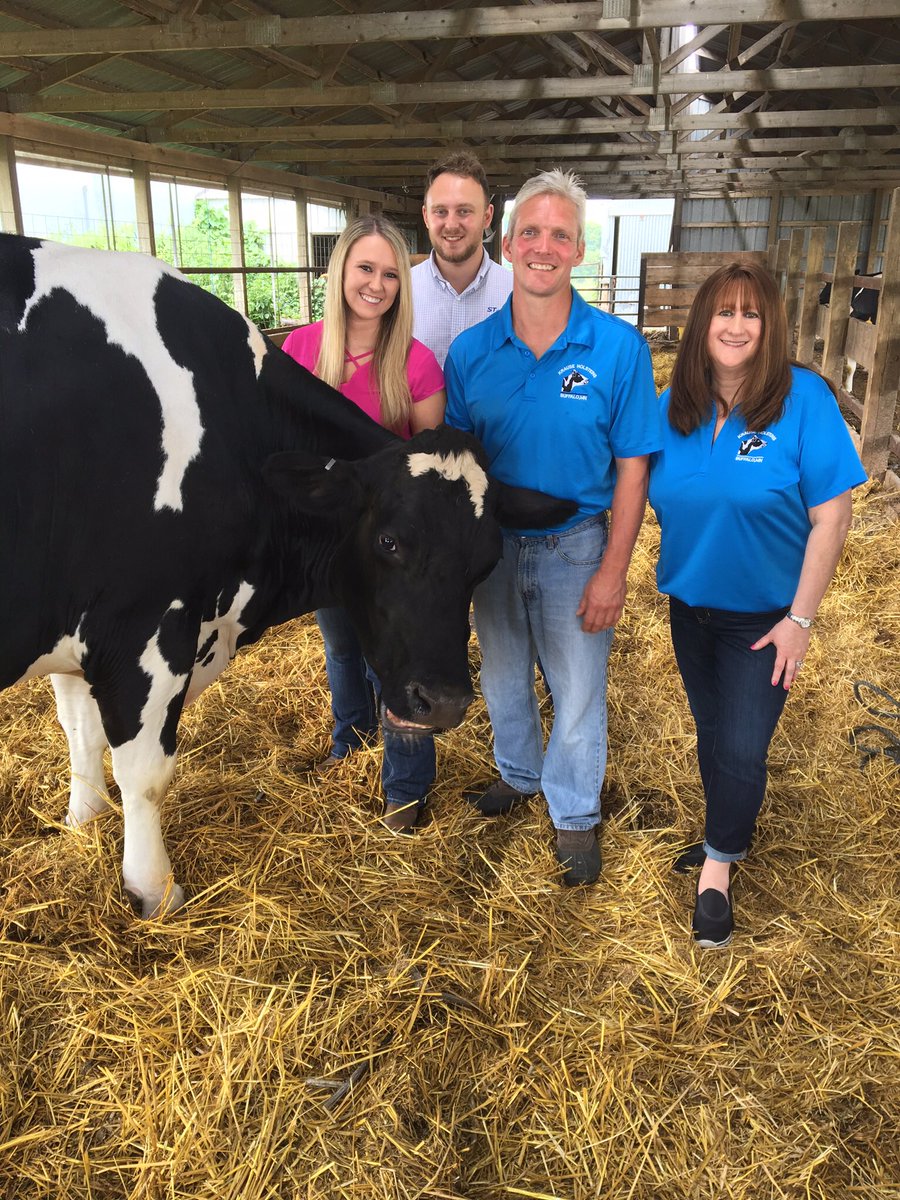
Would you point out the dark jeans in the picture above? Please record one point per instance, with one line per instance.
(408, 763)
(735, 708)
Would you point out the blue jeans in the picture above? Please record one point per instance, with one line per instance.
(408, 763)
(735, 709)
(525, 610)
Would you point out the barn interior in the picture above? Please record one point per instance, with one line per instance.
(340, 1014)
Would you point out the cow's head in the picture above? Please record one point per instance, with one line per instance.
(418, 527)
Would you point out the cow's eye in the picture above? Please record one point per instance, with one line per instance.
(387, 543)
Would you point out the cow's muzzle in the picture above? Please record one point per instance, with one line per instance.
(429, 711)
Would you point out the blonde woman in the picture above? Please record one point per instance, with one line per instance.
(364, 347)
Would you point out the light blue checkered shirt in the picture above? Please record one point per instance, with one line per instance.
(440, 313)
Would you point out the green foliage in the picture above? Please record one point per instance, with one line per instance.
(317, 297)
(206, 242)
(585, 277)
(97, 239)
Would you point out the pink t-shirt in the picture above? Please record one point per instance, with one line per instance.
(422, 371)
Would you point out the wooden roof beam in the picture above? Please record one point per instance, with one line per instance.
(182, 33)
(461, 130)
(496, 91)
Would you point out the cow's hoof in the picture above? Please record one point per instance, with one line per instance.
(84, 814)
(150, 908)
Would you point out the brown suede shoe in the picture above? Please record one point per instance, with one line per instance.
(577, 850)
(400, 817)
(497, 800)
(327, 765)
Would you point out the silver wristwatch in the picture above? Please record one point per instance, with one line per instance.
(803, 622)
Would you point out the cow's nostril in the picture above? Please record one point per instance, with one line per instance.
(419, 704)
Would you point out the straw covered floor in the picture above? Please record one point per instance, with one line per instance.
(340, 1013)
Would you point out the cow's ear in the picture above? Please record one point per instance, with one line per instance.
(522, 508)
(314, 484)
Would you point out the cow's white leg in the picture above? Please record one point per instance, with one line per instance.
(144, 765)
(851, 373)
(143, 772)
(79, 716)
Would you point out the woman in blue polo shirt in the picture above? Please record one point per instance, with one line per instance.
(752, 492)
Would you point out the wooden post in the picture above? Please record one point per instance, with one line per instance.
(143, 207)
(879, 196)
(792, 281)
(881, 393)
(772, 235)
(10, 204)
(675, 233)
(235, 223)
(778, 262)
(839, 310)
(304, 279)
(812, 285)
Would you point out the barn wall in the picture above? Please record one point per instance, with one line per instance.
(746, 223)
(721, 223)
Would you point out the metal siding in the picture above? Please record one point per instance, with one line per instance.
(637, 235)
(712, 211)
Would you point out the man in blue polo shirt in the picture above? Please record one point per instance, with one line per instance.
(562, 397)
(458, 284)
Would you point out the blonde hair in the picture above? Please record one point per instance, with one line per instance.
(557, 182)
(388, 368)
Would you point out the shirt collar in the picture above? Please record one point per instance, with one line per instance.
(578, 330)
(476, 282)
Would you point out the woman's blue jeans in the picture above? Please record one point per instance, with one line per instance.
(735, 708)
(408, 763)
(525, 609)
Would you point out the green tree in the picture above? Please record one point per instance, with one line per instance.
(206, 242)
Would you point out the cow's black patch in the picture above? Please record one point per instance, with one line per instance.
(17, 274)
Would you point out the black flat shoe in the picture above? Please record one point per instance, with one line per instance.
(690, 857)
(713, 922)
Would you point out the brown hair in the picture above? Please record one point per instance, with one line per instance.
(461, 163)
(763, 391)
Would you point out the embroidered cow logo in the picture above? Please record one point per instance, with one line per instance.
(573, 379)
(751, 443)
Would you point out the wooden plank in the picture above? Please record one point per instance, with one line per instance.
(772, 237)
(669, 282)
(879, 197)
(778, 261)
(265, 31)
(793, 277)
(143, 207)
(10, 204)
(467, 91)
(642, 284)
(809, 307)
(527, 127)
(839, 308)
(881, 396)
(44, 135)
(859, 344)
(235, 230)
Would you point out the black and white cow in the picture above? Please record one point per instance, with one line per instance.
(166, 496)
(863, 300)
(863, 307)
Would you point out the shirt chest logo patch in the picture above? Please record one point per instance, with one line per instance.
(752, 444)
(574, 380)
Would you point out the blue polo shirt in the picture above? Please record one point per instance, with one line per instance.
(733, 513)
(557, 423)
